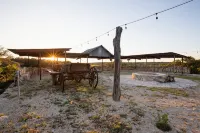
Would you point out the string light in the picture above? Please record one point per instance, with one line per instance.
(141, 19)
(156, 16)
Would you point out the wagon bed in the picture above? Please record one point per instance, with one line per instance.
(78, 72)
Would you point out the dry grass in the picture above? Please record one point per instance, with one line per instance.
(172, 91)
(195, 78)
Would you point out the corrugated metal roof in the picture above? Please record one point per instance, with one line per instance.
(155, 55)
(37, 52)
(99, 52)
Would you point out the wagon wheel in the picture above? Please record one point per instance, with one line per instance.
(78, 79)
(93, 77)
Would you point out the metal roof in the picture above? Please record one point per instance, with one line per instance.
(99, 52)
(74, 55)
(155, 55)
(37, 52)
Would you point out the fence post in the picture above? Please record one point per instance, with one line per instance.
(17, 72)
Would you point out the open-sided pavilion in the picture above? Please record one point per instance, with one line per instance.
(99, 52)
(156, 56)
(41, 53)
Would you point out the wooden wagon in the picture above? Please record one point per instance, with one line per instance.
(78, 72)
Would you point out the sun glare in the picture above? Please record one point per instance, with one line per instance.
(52, 58)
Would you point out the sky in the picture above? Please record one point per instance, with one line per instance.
(69, 23)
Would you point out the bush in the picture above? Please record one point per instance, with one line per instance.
(162, 123)
(7, 70)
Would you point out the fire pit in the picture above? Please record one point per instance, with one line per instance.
(150, 76)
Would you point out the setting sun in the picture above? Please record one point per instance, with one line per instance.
(52, 58)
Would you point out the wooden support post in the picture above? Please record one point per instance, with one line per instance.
(28, 61)
(146, 63)
(182, 64)
(117, 56)
(174, 64)
(102, 65)
(38, 65)
(135, 63)
(154, 65)
(65, 56)
(40, 68)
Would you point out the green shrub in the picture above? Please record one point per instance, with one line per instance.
(162, 123)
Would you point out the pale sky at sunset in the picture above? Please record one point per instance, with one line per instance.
(68, 23)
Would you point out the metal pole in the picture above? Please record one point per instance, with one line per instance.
(87, 59)
(80, 60)
(154, 64)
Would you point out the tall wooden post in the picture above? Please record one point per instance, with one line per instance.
(117, 55)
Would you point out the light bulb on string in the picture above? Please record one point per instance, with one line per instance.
(156, 16)
(125, 26)
(96, 38)
(108, 33)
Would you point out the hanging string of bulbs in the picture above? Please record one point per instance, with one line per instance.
(125, 25)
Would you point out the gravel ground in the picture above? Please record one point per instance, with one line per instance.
(179, 83)
(81, 109)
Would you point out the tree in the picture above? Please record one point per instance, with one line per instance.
(3, 51)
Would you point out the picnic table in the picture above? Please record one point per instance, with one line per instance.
(55, 77)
